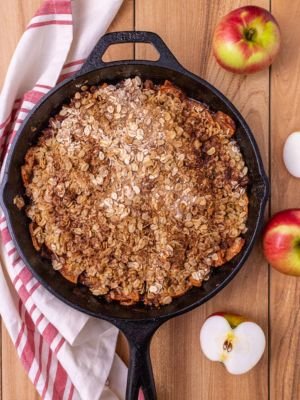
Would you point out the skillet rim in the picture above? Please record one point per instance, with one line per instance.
(263, 184)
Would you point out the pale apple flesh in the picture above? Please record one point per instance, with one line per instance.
(246, 40)
(281, 242)
(239, 348)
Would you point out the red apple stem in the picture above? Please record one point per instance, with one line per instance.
(249, 33)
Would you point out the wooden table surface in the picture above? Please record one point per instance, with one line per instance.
(270, 102)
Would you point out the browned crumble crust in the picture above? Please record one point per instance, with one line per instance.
(137, 191)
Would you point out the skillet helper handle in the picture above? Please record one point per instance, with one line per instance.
(95, 61)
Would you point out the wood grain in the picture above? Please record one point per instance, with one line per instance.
(15, 380)
(180, 369)
(17, 14)
(285, 119)
(123, 21)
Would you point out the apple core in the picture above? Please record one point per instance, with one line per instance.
(227, 346)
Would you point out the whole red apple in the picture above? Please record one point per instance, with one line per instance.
(281, 241)
(246, 40)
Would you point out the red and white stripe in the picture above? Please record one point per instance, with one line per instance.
(70, 68)
(37, 341)
(50, 7)
(52, 13)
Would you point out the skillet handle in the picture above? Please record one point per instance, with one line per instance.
(166, 58)
(140, 374)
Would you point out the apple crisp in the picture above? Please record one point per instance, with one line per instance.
(136, 191)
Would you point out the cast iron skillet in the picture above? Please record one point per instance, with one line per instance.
(138, 322)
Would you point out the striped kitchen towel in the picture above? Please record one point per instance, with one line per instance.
(67, 355)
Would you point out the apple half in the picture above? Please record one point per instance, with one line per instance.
(233, 340)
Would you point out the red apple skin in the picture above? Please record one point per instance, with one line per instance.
(281, 241)
(235, 52)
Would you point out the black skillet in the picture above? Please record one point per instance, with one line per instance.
(138, 322)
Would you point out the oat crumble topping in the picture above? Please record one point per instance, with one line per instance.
(136, 191)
